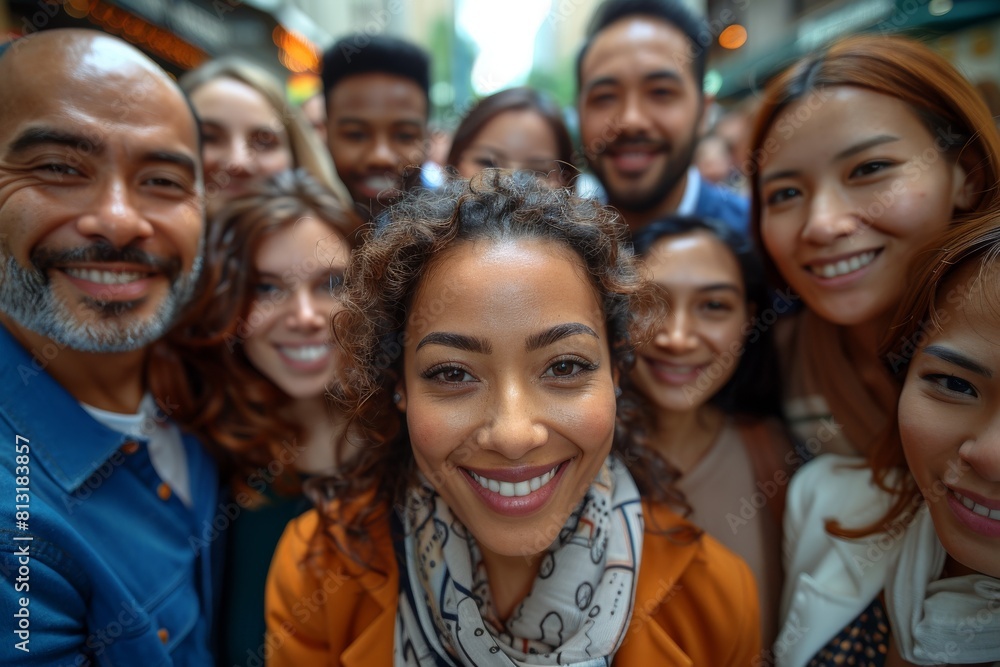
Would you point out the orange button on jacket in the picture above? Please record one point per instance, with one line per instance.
(696, 603)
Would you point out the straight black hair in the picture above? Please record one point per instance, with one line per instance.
(363, 54)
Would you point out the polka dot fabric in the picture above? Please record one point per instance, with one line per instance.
(863, 643)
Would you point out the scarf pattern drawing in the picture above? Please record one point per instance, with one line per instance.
(580, 604)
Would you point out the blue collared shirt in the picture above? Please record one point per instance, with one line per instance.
(719, 203)
(105, 563)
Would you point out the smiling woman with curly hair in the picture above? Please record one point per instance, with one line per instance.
(505, 510)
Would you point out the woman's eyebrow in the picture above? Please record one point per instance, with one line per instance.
(730, 287)
(558, 332)
(958, 359)
(861, 146)
(458, 341)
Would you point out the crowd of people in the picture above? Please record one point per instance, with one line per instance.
(276, 391)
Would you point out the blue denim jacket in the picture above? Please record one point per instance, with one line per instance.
(724, 205)
(112, 568)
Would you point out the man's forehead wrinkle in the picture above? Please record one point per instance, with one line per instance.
(105, 84)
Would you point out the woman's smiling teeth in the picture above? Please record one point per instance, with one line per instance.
(514, 489)
(677, 369)
(981, 510)
(381, 183)
(305, 352)
(105, 277)
(844, 266)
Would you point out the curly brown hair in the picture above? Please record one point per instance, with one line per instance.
(213, 388)
(385, 273)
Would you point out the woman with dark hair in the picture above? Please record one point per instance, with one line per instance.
(517, 128)
(710, 374)
(258, 355)
(503, 512)
(862, 153)
(892, 560)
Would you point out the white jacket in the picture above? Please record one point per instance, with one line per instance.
(829, 581)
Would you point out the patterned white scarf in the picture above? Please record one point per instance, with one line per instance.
(579, 607)
(939, 621)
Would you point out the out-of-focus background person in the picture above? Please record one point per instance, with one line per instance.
(250, 131)
(518, 128)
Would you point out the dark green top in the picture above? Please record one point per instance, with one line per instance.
(251, 540)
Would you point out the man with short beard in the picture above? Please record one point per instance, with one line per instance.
(641, 102)
(101, 221)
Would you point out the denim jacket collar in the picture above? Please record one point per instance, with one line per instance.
(67, 441)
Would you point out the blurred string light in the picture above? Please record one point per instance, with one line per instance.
(733, 37)
(295, 52)
(504, 33)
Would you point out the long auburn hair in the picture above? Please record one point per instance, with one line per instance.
(898, 67)
(916, 317)
(202, 367)
(381, 281)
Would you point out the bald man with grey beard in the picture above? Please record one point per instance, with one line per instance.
(101, 223)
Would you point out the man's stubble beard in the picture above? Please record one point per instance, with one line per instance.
(26, 296)
(674, 171)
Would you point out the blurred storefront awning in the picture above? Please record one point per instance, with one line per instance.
(181, 34)
(926, 18)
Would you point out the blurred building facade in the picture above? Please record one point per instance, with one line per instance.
(967, 32)
(288, 36)
(179, 34)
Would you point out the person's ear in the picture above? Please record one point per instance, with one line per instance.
(399, 397)
(967, 189)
